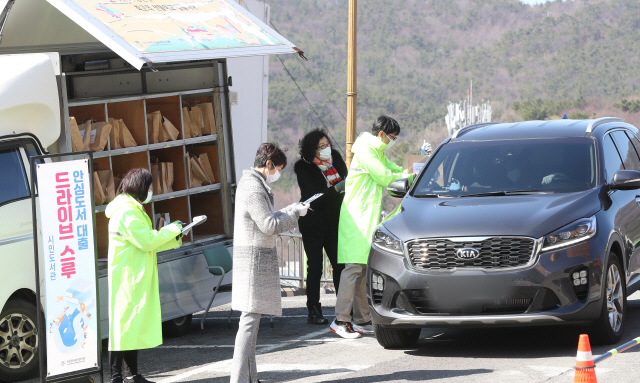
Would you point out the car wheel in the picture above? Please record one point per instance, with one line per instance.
(396, 338)
(18, 341)
(609, 327)
(177, 327)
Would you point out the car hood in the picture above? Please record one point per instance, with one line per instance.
(518, 215)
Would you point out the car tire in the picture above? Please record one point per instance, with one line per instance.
(396, 338)
(177, 327)
(608, 329)
(18, 317)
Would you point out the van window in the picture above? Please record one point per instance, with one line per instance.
(31, 150)
(627, 151)
(612, 161)
(12, 170)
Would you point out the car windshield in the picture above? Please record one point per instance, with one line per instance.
(506, 167)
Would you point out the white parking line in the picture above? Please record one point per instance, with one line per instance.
(224, 365)
(237, 317)
(210, 346)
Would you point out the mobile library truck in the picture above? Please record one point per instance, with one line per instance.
(141, 84)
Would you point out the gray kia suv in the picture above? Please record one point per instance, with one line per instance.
(529, 223)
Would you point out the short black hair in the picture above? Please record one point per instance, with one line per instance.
(270, 151)
(309, 143)
(385, 124)
(136, 183)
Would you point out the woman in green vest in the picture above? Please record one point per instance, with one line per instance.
(135, 320)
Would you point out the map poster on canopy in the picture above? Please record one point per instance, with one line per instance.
(170, 25)
(68, 257)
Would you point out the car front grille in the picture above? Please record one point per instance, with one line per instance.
(494, 252)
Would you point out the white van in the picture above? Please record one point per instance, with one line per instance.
(96, 75)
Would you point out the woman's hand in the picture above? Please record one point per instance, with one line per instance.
(302, 209)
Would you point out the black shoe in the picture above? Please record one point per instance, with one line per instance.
(315, 315)
(117, 379)
(137, 379)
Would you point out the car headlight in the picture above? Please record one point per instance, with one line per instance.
(571, 234)
(387, 242)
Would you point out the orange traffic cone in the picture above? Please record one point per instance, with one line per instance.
(585, 369)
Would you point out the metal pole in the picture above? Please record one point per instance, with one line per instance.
(351, 80)
(34, 219)
(616, 351)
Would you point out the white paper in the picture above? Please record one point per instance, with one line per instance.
(417, 166)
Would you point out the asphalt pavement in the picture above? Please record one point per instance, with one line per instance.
(293, 351)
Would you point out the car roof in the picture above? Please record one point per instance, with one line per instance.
(534, 129)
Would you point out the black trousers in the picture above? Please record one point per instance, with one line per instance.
(130, 359)
(314, 243)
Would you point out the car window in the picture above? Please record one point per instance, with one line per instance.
(12, 168)
(472, 167)
(634, 141)
(612, 161)
(626, 150)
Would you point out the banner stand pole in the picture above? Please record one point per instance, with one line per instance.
(41, 327)
(39, 324)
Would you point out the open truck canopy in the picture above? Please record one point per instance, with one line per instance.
(148, 32)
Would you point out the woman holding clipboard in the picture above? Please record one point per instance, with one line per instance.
(320, 170)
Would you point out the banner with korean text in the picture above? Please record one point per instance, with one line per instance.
(68, 256)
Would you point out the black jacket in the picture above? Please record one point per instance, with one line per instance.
(326, 209)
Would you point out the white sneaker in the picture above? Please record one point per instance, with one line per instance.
(364, 328)
(344, 329)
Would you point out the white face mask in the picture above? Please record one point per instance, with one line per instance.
(325, 153)
(149, 196)
(391, 142)
(271, 178)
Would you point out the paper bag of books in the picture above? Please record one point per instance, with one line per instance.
(209, 119)
(98, 194)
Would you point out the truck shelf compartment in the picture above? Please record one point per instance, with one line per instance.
(122, 164)
(170, 109)
(175, 156)
(199, 100)
(212, 154)
(132, 113)
(178, 209)
(211, 206)
(102, 235)
(85, 112)
(100, 164)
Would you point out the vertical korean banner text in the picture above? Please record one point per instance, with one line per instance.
(66, 222)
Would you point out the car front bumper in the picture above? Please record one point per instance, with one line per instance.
(542, 294)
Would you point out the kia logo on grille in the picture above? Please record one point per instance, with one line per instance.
(467, 253)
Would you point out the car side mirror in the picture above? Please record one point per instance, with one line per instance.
(399, 188)
(626, 180)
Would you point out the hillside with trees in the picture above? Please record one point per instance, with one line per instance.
(532, 62)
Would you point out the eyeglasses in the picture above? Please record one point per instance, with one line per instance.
(320, 147)
(391, 137)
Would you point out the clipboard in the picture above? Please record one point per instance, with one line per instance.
(313, 198)
(196, 221)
